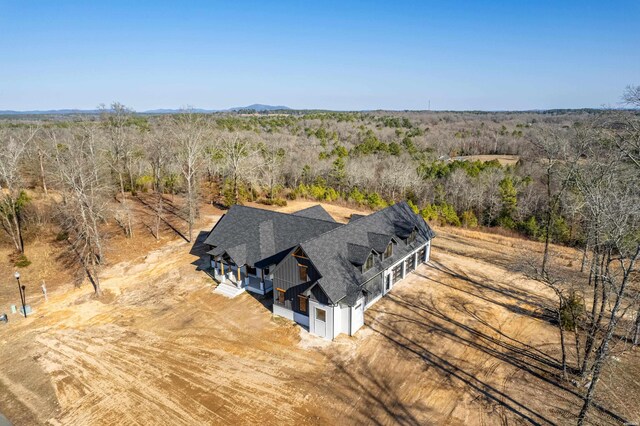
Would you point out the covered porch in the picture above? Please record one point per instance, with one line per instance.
(226, 271)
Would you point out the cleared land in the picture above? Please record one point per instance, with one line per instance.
(463, 340)
(504, 160)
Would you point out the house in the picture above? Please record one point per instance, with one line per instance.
(247, 243)
(330, 273)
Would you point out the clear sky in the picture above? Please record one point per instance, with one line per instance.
(489, 55)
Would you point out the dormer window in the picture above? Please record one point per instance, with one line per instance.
(388, 252)
(368, 264)
(412, 237)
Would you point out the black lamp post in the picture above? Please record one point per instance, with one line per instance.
(21, 289)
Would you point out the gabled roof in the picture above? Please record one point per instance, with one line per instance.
(249, 234)
(358, 254)
(333, 253)
(315, 212)
(379, 242)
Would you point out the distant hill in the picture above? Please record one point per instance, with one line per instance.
(254, 107)
(51, 112)
(260, 107)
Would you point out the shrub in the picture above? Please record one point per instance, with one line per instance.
(317, 192)
(448, 215)
(413, 206)
(375, 201)
(273, 202)
(21, 261)
(357, 196)
(144, 183)
(429, 212)
(571, 311)
(469, 219)
(529, 227)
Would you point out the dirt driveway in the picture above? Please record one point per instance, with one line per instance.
(461, 341)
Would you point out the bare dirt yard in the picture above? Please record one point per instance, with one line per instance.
(463, 340)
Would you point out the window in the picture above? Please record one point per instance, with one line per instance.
(368, 264)
(302, 302)
(251, 270)
(388, 252)
(412, 237)
(302, 270)
(321, 315)
(280, 296)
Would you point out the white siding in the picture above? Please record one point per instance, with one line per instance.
(357, 316)
(282, 311)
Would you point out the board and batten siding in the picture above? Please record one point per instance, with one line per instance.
(287, 277)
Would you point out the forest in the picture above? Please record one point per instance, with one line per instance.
(568, 177)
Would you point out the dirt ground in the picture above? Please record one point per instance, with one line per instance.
(463, 340)
(505, 160)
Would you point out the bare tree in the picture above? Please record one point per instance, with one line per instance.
(552, 147)
(191, 132)
(116, 120)
(613, 215)
(12, 191)
(81, 178)
(272, 162)
(241, 161)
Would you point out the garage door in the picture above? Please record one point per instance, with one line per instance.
(410, 264)
(421, 254)
(397, 273)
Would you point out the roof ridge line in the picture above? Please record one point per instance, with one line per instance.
(283, 213)
(349, 223)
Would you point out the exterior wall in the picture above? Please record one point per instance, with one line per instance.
(301, 319)
(283, 312)
(314, 323)
(345, 319)
(287, 277)
(339, 319)
(357, 317)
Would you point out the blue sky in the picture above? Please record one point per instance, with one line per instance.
(489, 55)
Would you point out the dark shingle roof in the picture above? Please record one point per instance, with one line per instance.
(355, 216)
(333, 253)
(315, 212)
(250, 234)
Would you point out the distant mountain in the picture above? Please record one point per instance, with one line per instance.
(260, 107)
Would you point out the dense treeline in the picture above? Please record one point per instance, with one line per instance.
(570, 177)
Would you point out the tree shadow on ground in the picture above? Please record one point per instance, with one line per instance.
(372, 395)
(487, 290)
(168, 208)
(435, 324)
(199, 249)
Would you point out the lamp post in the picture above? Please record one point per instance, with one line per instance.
(21, 289)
